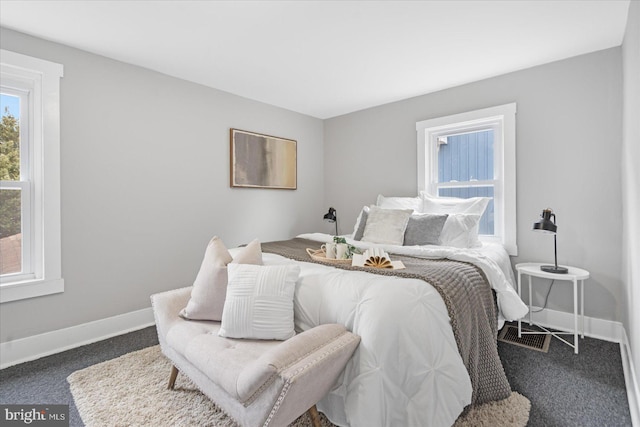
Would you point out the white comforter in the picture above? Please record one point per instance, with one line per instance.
(407, 370)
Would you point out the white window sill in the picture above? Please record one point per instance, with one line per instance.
(30, 289)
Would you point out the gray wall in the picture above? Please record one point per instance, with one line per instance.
(568, 158)
(631, 178)
(145, 185)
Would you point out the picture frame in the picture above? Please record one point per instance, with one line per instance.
(263, 161)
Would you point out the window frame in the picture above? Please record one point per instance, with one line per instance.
(502, 119)
(41, 79)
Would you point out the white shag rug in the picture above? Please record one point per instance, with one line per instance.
(131, 390)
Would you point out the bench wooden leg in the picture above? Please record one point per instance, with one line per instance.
(315, 417)
(172, 378)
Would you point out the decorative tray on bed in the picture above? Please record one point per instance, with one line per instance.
(320, 255)
(372, 258)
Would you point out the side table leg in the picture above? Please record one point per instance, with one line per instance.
(575, 315)
(530, 301)
(520, 295)
(582, 305)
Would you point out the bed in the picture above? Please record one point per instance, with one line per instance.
(408, 370)
(428, 348)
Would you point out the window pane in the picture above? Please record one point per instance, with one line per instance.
(10, 138)
(10, 231)
(486, 222)
(466, 157)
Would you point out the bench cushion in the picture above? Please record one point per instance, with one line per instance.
(242, 367)
(220, 359)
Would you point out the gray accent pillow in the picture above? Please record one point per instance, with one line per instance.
(424, 229)
(362, 221)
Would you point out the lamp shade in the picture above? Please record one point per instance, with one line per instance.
(545, 224)
(331, 215)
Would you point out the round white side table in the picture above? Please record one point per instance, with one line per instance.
(575, 275)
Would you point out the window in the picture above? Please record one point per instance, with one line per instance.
(469, 155)
(30, 261)
(15, 185)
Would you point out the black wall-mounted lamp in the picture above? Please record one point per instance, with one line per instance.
(546, 225)
(332, 217)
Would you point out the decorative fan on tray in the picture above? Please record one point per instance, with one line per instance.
(377, 262)
(376, 258)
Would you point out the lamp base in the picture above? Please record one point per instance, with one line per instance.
(554, 269)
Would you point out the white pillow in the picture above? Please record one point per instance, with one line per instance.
(259, 302)
(461, 231)
(457, 226)
(414, 203)
(210, 287)
(452, 205)
(386, 226)
(250, 254)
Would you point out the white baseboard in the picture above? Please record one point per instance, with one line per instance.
(37, 346)
(631, 380)
(606, 330)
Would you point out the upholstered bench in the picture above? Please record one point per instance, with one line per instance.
(256, 382)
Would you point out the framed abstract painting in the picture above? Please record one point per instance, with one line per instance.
(263, 161)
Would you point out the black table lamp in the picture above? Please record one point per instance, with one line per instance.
(546, 225)
(332, 217)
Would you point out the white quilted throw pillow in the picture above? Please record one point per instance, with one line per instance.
(259, 302)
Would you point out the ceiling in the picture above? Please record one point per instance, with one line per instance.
(327, 58)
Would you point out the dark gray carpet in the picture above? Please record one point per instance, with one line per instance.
(44, 381)
(567, 389)
(564, 389)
